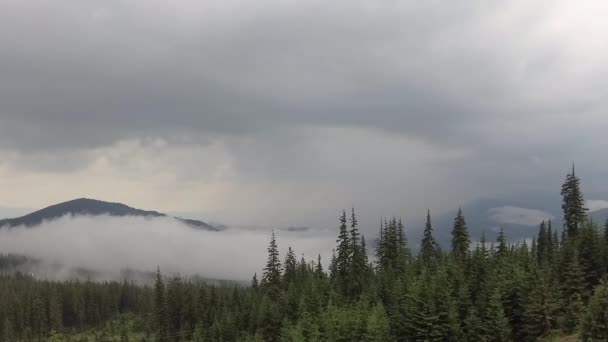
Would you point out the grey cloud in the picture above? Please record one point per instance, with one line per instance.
(314, 105)
(90, 73)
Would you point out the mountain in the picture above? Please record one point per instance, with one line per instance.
(518, 214)
(92, 207)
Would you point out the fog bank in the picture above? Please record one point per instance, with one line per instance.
(108, 245)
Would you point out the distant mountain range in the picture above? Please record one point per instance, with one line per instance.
(519, 215)
(92, 207)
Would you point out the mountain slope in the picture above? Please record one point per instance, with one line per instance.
(91, 207)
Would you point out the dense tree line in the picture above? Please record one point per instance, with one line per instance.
(471, 291)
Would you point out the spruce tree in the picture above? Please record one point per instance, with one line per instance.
(591, 255)
(175, 306)
(404, 251)
(254, 281)
(605, 246)
(377, 328)
(160, 308)
(380, 244)
(343, 258)
(319, 268)
(271, 279)
(542, 309)
(551, 243)
(358, 277)
(573, 205)
(495, 323)
(429, 247)
(290, 268)
(460, 237)
(571, 274)
(542, 243)
(594, 325)
(502, 249)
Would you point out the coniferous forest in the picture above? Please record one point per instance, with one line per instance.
(552, 286)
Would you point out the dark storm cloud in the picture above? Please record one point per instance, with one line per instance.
(90, 73)
(272, 111)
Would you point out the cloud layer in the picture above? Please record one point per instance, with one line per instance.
(516, 215)
(284, 112)
(110, 244)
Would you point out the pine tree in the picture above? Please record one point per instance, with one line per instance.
(271, 279)
(175, 306)
(429, 247)
(254, 282)
(343, 259)
(541, 244)
(472, 327)
(573, 311)
(514, 301)
(358, 269)
(541, 310)
(290, 266)
(573, 204)
(572, 278)
(377, 327)
(551, 243)
(594, 325)
(591, 255)
(380, 244)
(460, 237)
(502, 249)
(319, 268)
(403, 249)
(160, 308)
(495, 323)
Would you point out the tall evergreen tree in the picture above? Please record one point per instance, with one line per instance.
(460, 237)
(175, 307)
(343, 258)
(551, 243)
(319, 268)
(360, 274)
(290, 268)
(573, 205)
(502, 249)
(542, 243)
(429, 248)
(403, 251)
(160, 308)
(271, 279)
(358, 268)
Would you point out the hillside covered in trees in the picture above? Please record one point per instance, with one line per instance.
(553, 285)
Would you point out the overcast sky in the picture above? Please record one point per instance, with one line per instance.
(277, 113)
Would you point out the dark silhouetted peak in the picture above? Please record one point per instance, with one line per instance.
(91, 207)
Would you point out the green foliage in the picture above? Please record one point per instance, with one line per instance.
(541, 310)
(271, 279)
(460, 237)
(573, 204)
(507, 292)
(594, 325)
(429, 249)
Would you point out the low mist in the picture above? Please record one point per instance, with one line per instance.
(109, 245)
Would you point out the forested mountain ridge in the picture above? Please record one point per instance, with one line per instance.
(491, 291)
(91, 207)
